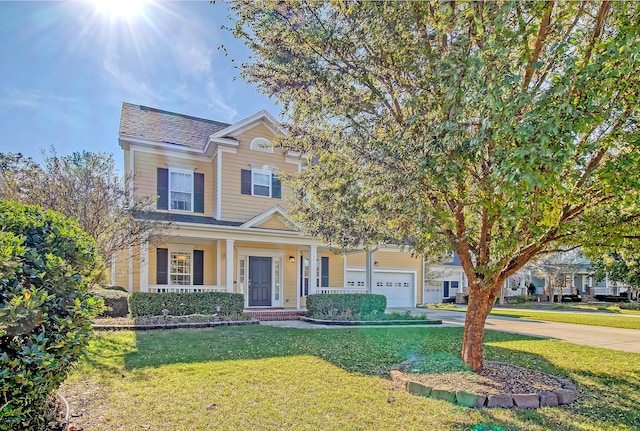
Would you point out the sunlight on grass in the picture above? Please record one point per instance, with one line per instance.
(612, 321)
(263, 378)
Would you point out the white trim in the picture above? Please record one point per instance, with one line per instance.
(262, 167)
(344, 270)
(313, 272)
(181, 171)
(298, 279)
(265, 172)
(218, 214)
(264, 216)
(261, 144)
(177, 167)
(259, 117)
(228, 150)
(246, 253)
(181, 248)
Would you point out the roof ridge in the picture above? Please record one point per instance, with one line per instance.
(177, 114)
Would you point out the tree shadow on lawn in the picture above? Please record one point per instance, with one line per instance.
(604, 397)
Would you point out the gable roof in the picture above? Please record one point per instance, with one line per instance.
(151, 124)
(276, 211)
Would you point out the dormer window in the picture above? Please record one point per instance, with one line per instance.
(261, 144)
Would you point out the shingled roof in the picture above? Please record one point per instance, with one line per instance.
(161, 126)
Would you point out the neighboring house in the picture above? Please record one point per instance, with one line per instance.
(219, 186)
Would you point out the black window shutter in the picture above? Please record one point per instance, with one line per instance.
(198, 267)
(324, 271)
(163, 189)
(245, 179)
(276, 188)
(162, 262)
(198, 193)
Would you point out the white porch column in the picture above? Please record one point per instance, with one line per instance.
(144, 265)
(368, 278)
(523, 287)
(229, 264)
(313, 269)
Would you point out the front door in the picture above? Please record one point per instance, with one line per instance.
(259, 281)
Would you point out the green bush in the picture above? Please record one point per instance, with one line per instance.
(47, 264)
(321, 305)
(181, 304)
(116, 300)
(629, 305)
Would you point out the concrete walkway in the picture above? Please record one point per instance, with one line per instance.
(627, 340)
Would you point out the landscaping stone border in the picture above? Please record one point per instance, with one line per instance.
(370, 322)
(174, 325)
(565, 395)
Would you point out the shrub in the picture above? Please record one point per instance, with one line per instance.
(629, 305)
(321, 305)
(45, 308)
(116, 300)
(181, 304)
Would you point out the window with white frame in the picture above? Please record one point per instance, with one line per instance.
(180, 268)
(261, 144)
(181, 190)
(261, 182)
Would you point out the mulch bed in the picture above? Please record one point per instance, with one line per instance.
(495, 378)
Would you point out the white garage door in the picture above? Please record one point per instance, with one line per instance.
(432, 294)
(398, 287)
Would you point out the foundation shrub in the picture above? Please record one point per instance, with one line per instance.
(182, 304)
(323, 305)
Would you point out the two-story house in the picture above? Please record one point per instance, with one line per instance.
(218, 184)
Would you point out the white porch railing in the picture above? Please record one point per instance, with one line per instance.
(343, 290)
(162, 288)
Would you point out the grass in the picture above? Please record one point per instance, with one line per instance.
(613, 321)
(265, 378)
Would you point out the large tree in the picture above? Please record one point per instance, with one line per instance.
(84, 186)
(499, 130)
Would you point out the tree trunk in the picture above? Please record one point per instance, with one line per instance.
(481, 302)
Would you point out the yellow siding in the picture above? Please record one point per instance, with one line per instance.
(214, 186)
(336, 269)
(273, 223)
(356, 259)
(122, 268)
(136, 268)
(146, 176)
(239, 207)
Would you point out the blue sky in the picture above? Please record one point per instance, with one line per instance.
(68, 66)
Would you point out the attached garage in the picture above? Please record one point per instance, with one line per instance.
(398, 286)
(432, 293)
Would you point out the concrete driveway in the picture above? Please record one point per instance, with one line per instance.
(627, 340)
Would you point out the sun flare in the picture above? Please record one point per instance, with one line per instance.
(126, 9)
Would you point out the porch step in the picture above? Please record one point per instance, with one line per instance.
(276, 314)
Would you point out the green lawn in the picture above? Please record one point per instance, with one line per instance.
(265, 378)
(612, 321)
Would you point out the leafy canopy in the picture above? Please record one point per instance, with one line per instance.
(500, 130)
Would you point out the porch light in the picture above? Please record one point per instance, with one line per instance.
(292, 259)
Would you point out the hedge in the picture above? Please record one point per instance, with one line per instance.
(115, 298)
(322, 304)
(47, 265)
(181, 304)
